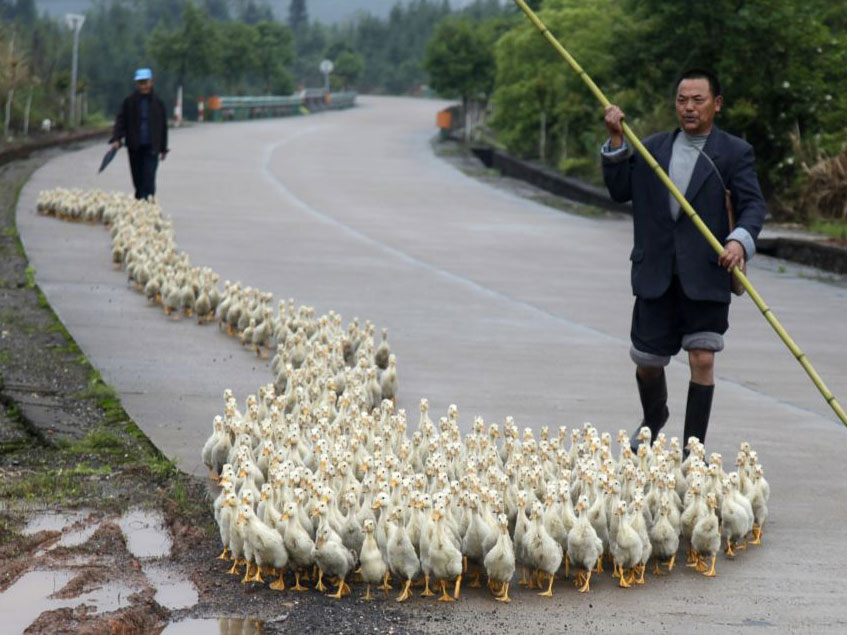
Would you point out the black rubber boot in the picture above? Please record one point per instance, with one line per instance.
(697, 412)
(654, 402)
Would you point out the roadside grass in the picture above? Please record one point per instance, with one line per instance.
(97, 388)
(115, 456)
(70, 346)
(9, 317)
(99, 441)
(114, 465)
(112, 458)
(832, 228)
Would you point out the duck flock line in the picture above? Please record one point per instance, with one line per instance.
(320, 479)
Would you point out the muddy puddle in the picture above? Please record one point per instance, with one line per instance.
(147, 539)
(33, 593)
(146, 536)
(53, 521)
(76, 528)
(173, 590)
(214, 626)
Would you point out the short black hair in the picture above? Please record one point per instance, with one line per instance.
(700, 73)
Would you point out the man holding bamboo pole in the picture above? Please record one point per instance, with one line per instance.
(681, 286)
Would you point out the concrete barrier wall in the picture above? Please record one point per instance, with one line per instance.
(548, 179)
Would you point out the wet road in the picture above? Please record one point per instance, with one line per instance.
(500, 305)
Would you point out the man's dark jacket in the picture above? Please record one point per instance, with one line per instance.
(128, 123)
(659, 239)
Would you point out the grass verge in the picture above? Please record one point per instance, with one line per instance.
(108, 464)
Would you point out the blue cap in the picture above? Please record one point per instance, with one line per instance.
(143, 73)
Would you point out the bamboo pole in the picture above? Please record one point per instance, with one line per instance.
(766, 311)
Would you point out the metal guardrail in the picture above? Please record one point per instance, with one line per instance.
(239, 108)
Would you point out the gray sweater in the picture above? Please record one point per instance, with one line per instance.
(683, 159)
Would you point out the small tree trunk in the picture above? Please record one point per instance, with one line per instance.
(27, 109)
(542, 137)
(7, 118)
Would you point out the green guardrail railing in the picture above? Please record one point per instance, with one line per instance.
(239, 108)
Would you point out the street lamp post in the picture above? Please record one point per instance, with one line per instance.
(74, 22)
(326, 68)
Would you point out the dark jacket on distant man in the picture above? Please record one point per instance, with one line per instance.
(128, 123)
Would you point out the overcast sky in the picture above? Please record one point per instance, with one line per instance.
(323, 10)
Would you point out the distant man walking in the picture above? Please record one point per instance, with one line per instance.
(681, 287)
(143, 126)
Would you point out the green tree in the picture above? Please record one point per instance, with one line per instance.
(25, 12)
(238, 56)
(254, 12)
(310, 43)
(348, 67)
(275, 53)
(460, 63)
(111, 46)
(189, 50)
(541, 108)
(298, 15)
(217, 9)
(781, 65)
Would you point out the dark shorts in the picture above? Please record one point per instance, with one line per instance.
(664, 325)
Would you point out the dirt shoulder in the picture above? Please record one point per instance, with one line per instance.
(67, 447)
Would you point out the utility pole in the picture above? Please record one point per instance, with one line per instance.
(74, 22)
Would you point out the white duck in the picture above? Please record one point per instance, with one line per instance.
(298, 543)
(544, 553)
(402, 559)
(664, 537)
(331, 556)
(639, 524)
(626, 547)
(736, 523)
(584, 546)
(706, 538)
(445, 560)
(759, 503)
(475, 538)
(500, 562)
(266, 545)
(372, 567)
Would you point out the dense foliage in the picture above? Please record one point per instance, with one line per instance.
(781, 65)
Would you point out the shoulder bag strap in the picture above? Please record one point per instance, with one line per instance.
(727, 194)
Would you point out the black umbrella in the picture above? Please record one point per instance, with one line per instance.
(107, 159)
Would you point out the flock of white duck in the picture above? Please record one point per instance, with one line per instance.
(320, 477)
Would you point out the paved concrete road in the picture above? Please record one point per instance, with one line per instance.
(497, 304)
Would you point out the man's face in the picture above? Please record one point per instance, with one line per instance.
(144, 86)
(696, 106)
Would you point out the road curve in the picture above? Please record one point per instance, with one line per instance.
(500, 305)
